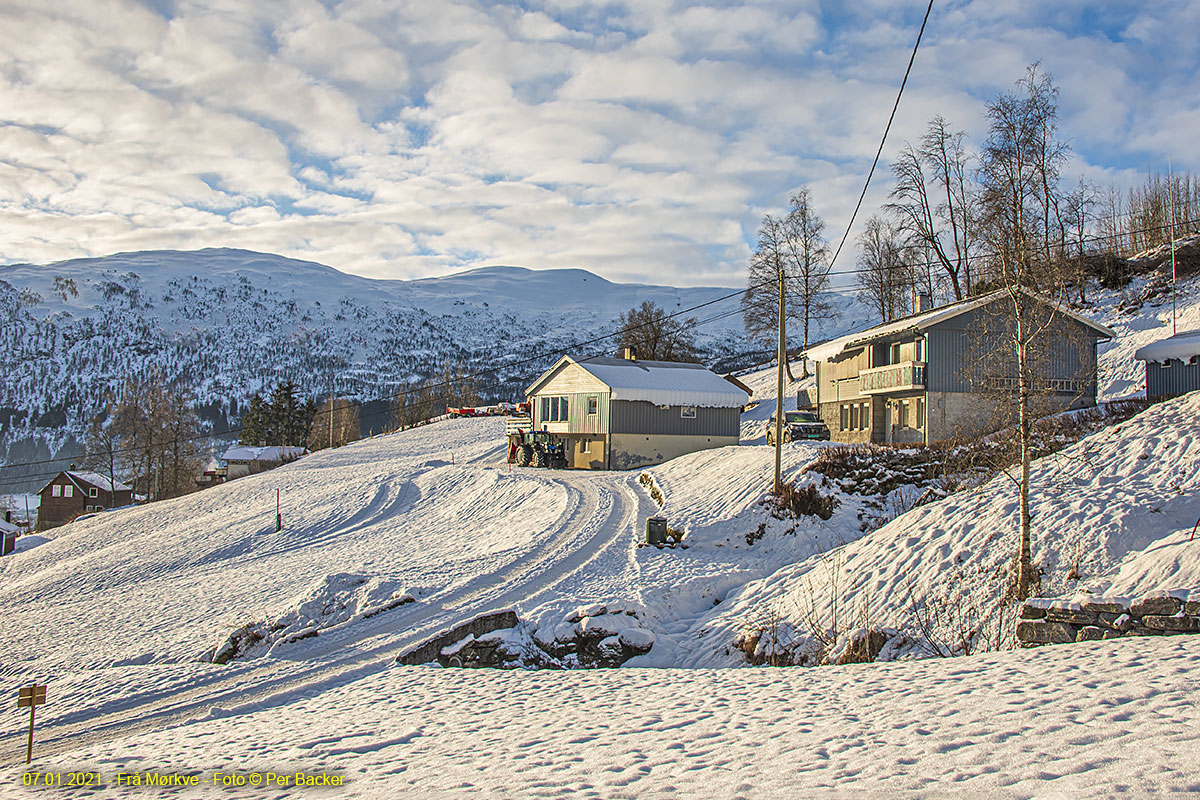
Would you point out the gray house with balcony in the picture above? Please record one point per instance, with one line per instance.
(917, 379)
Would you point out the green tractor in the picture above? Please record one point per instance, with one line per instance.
(539, 449)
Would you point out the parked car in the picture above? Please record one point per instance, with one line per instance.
(799, 425)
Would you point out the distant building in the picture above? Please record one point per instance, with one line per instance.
(1172, 365)
(910, 380)
(621, 413)
(241, 460)
(71, 493)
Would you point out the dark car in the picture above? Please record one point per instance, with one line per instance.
(799, 425)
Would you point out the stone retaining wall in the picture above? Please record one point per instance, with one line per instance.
(1086, 618)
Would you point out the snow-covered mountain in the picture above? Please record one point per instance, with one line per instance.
(229, 323)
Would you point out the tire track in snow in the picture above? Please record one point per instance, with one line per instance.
(605, 509)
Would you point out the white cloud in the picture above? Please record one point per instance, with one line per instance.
(643, 140)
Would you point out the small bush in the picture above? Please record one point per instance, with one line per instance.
(804, 501)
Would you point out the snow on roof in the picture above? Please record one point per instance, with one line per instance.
(8, 527)
(269, 453)
(1182, 345)
(664, 383)
(99, 481)
(927, 319)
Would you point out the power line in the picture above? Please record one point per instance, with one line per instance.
(215, 435)
(879, 152)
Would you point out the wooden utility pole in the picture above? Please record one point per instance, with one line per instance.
(331, 419)
(779, 391)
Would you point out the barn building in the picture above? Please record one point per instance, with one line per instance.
(622, 413)
(1172, 365)
(71, 493)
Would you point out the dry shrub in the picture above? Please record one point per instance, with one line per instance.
(803, 501)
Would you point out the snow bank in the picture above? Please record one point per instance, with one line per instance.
(1111, 513)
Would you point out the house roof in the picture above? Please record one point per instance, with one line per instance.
(8, 527)
(84, 479)
(928, 319)
(664, 383)
(270, 453)
(1182, 345)
(99, 481)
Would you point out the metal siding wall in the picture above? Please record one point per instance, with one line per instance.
(950, 347)
(636, 416)
(1177, 379)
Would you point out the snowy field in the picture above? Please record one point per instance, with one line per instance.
(1087, 720)
(390, 540)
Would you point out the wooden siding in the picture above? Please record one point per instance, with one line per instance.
(578, 420)
(637, 416)
(1179, 378)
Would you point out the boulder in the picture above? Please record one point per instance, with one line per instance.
(1101, 605)
(639, 640)
(1178, 624)
(1032, 612)
(610, 651)
(1192, 607)
(1157, 604)
(1040, 632)
(1073, 616)
(601, 627)
(1093, 633)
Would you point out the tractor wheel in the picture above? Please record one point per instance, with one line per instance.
(524, 455)
(539, 458)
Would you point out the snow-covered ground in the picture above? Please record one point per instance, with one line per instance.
(392, 539)
(1089, 720)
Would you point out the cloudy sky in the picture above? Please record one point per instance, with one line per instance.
(640, 139)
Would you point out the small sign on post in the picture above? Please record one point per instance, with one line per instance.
(31, 697)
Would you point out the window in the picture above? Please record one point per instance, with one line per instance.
(56, 491)
(919, 411)
(554, 409)
(844, 422)
(99, 508)
(68, 491)
(920, 350)
(895, 354)
(87, 508)
(593, 405)
(864, 415)
(93, 491)
(902, 420)
(854, 417)
(687, 412)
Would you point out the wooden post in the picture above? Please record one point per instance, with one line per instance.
(779, 394)
(278, 516)
(32, 696)
(331, 419)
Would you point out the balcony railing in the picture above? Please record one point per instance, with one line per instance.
(905, 376)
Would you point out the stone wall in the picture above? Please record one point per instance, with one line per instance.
(1086, 618)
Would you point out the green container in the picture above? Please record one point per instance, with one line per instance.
(656, 531)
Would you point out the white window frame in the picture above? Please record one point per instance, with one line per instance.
(93, 491)
(593, 406)
(68, 491)
(687, 412)
(56, 490)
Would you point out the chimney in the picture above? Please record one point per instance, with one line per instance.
(630, 354)
(8, 515)
(922, 302)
